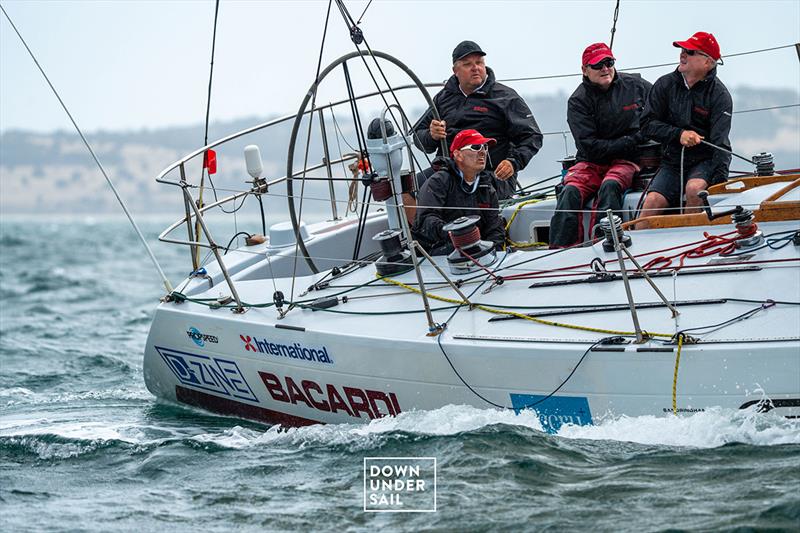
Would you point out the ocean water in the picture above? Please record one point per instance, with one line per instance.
(85, 447)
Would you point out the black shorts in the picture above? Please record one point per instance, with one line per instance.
(667, 180)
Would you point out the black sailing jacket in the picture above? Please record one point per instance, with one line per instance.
(705, 108)
(445, 188)
(494, 110)
(606, 124)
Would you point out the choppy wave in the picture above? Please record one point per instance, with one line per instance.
(78, 429)
(709, 429)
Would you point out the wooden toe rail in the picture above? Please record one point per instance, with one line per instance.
(770, 209)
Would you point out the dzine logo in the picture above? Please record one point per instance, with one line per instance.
(199, 338)
(215, 374)
(248, 343)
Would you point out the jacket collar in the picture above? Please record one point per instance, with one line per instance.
(711, 76)
(484, 176)
(593, 87)
(451, 84)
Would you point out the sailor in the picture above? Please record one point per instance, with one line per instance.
(604, 116)
(463, 187)
(472, 99)
(688, 106)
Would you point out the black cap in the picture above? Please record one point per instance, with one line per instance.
(374, 129)
(466, 48)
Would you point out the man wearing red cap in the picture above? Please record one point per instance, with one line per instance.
(472, 99)
(604, 116)
(463, 187)
(688, 106)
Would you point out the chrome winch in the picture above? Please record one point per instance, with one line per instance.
(471, 253)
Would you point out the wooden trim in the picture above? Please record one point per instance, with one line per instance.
(783, 191)
(674, 221)
(749, 183)
(770, 209)
(767, 212)
(774, 211)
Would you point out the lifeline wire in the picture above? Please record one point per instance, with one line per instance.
(164, 280)
(487, 400)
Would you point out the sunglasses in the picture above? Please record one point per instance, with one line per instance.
(475, 148)
(604, 63)
(693, 52)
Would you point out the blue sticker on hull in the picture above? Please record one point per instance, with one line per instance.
(215, 374)
(555, 411)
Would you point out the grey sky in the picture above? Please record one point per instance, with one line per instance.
(144, 64)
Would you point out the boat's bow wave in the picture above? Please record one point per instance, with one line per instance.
(423, 431)
(711, 428)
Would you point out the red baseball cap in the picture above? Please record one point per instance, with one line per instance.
(466, 137)
(702, 42)
(595, 53)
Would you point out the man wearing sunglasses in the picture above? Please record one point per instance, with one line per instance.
(604, 115)
(472, 99)
(462, 187)
(688, 106)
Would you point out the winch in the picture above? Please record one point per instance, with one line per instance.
(765, 164)
(749, 233)
(608, 227)
(396, 257)
(471, 253)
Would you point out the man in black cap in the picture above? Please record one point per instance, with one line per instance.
(472, 99)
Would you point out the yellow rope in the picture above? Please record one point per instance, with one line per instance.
(516, 244)
(518, 209)
(519, 315)
(675, 377)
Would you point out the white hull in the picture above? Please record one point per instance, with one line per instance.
(363, 367)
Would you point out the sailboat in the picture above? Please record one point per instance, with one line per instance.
(348, 320)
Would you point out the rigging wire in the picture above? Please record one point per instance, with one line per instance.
(614, 26)
(205, 136)
(766, 108)
(356, 34)
(164, 280)
(363, 153)
(308, 142)
(364, 12)
(644, 67)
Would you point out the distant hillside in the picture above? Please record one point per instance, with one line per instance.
(54, 172)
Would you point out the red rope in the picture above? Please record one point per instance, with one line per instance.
(702, 248)
(465, 239)
(711, 245)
